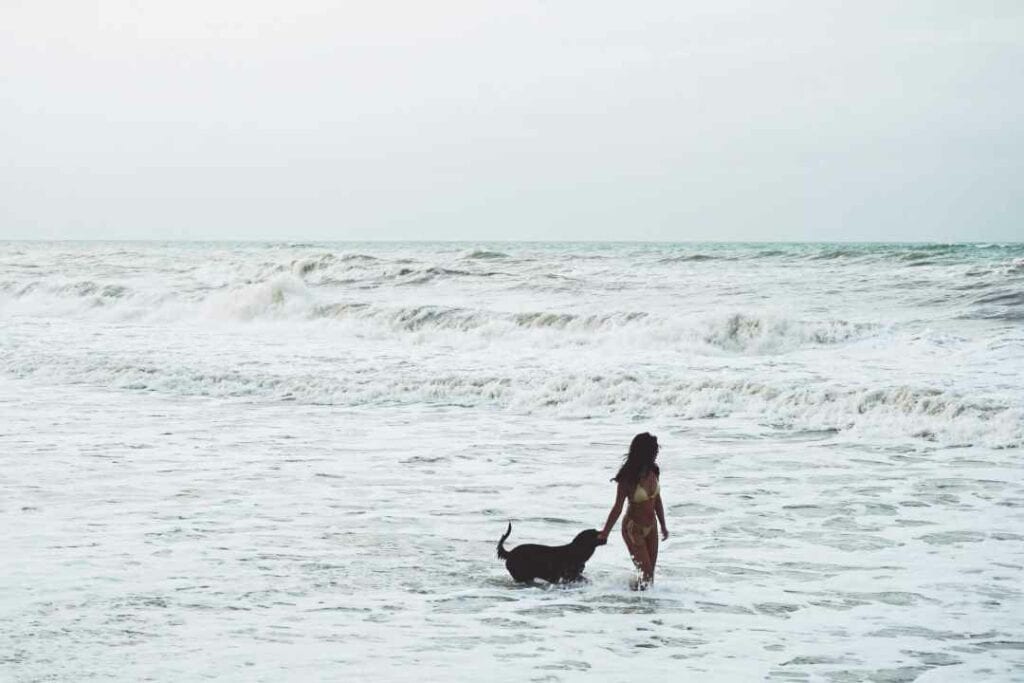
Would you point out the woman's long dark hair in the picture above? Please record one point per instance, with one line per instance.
(642, 452)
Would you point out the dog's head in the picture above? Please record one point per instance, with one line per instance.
(588, 539)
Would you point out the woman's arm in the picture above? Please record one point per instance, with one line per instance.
(659, 510)
(613, 516)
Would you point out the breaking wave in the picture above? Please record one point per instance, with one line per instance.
(694, 258)
(920, 413)
(483, 254)
(289, 297)
(851, 338)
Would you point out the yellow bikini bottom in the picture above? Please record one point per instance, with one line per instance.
(635, 532)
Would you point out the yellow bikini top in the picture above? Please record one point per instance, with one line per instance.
(640, 493)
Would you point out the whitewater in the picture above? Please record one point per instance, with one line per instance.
(268, 461)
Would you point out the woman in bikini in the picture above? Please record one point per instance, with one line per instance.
(638, 482)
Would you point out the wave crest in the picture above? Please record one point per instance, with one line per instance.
(746, 333)
(289, 295)
(482, 254)
(734, 333)
(919, 413)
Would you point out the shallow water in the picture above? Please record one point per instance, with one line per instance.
(222, 461)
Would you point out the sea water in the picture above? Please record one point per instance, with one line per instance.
(255, 461)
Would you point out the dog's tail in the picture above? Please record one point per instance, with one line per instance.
(502, 553)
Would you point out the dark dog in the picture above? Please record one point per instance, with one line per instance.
(554, 564)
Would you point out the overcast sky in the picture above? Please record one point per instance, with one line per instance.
(710, 119)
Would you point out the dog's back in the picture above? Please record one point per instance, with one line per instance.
(554, 564)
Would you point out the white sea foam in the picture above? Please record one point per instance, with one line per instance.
(263, 454)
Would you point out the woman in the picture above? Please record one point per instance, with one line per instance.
(638, 482)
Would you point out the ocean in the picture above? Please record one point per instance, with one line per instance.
(293, 461)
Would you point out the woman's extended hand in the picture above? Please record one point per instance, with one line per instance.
(602, 535)
(664, 534)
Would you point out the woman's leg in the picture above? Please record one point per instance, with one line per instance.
(638, 550)
(652, 548)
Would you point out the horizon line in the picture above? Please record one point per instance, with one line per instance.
(299, 242)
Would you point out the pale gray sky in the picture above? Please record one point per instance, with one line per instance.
(319, 119)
